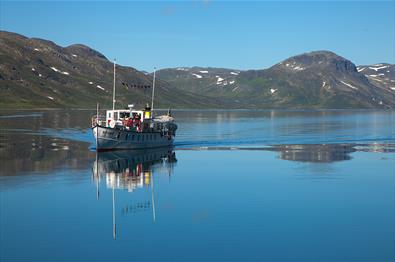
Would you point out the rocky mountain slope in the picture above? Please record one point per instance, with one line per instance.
(36, 73)
(319, 79)
(381, 75)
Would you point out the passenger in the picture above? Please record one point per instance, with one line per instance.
(129, 122)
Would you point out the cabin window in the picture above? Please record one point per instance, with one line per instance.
(115, 115)
(109, 114)
(124, 114)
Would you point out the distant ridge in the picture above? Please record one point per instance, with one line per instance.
(37, 73)
(319, 79)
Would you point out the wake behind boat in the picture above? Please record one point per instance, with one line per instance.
(133, 129)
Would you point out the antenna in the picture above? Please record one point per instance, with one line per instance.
(113, 91)
(153, 93)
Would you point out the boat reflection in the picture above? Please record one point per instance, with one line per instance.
(130, 170)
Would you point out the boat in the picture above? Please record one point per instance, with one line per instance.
(126, 129)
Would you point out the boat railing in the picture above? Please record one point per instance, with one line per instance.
(98, 120)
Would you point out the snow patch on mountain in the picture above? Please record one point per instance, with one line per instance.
(197, 76)
(377, 68)
(349, 85)
(294, 66)
(58, 71)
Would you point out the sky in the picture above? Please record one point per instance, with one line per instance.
(230, 34)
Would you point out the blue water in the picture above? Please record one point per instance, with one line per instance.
(239, 186)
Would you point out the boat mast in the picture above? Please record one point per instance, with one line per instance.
(113, 91)
(153, 93)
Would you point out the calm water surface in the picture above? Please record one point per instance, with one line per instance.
(238, 186)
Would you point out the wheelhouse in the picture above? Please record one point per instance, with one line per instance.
(118, 117)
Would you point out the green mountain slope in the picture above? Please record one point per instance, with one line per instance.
(36, 73)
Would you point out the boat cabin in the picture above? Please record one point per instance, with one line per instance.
(119, 116)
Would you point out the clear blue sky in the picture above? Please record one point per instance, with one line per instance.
(231, 34)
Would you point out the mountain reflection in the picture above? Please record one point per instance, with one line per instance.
(327, 153)
(22, 153)
(315, 153)
(324, 153)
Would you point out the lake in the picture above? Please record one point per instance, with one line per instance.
(239, 185)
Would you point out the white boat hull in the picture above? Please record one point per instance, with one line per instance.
(116, 139)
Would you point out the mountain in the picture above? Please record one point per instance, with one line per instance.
(36, 73)
(318, 79)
